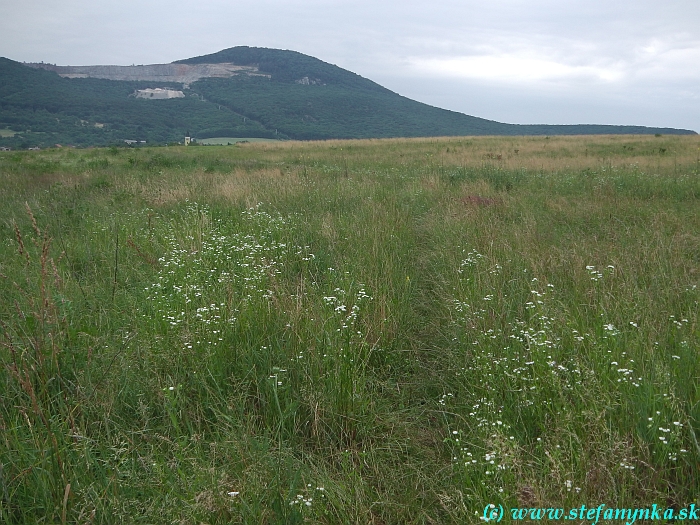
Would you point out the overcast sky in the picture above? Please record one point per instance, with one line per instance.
(518, 61)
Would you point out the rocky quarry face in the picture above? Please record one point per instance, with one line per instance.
(158, 93)
(183, 73)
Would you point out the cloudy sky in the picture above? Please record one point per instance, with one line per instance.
(518, 61)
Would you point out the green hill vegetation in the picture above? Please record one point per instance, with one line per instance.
(48, 109)
(300, 97)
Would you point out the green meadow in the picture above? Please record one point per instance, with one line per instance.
(349, 332)
(226, 141)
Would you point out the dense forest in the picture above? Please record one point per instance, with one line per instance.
(301, 98)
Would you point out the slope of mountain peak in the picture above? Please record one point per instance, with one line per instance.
(238, 92)
(287, 66)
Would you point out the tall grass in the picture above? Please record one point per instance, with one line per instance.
(349, 331)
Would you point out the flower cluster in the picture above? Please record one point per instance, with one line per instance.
(307, 499)
(215, 260)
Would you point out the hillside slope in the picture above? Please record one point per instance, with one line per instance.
(46, 109)
(237, 92)
(306, 98)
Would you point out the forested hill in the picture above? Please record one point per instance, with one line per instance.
(254, 92)
(288, 66)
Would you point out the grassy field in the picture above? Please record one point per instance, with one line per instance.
(367, 332)
(7, 133)
(225, 141)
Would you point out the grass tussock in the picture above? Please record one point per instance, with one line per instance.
(394, 331)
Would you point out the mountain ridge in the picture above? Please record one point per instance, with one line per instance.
(236, 92)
